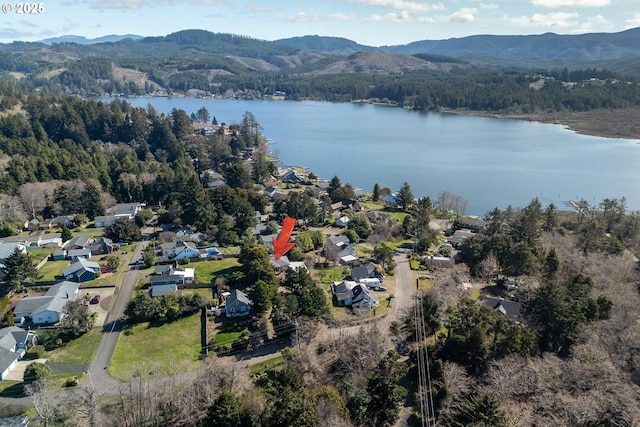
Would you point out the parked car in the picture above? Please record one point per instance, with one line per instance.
(95, 299)
(380, 289)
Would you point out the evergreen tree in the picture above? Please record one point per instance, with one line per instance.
(197, 209)
(404, 197)
(385, 392)
(19, 268)
(376, 192)
(92, 201)
(66, 234)
(480, 410)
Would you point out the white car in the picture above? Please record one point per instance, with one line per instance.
(380, 289)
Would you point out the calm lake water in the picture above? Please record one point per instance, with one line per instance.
(489, 162)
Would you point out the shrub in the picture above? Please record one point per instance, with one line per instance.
(36, 371)
(35, 352)
(71, 381)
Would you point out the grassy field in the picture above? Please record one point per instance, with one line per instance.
(228, 332)
(51, 269)
(160, 348)
(78, 351)
(207, 270)
(16, 389)
(266, 365)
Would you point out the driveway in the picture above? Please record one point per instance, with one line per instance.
(17, 373)
(106, 301)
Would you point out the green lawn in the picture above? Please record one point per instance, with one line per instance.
(51, 269)
(395, 212)
(228, 332)
(266, 365)
(207, 270)
(162, 348)
(76, 352)
(39, 254)
(334, 274)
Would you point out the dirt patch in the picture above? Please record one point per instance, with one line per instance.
(618, 123)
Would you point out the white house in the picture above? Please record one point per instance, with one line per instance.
(179, 250)
(14, 342)
(356, 295)
(47, 309)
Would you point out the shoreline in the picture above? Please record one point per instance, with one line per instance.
(615, 124)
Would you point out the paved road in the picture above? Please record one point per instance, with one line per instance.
(113, 326)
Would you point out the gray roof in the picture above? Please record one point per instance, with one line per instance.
(511, 309)
(237, 295)
(159, 290)
(7, 248)
(80, 264)
(7, 357)
(54, 300)
(12, 335)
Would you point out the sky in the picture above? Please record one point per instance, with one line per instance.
(368, 22)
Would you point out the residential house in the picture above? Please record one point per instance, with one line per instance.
(58, 222)
(212, 179)
(438, 261)
(511, 309)
(50, 243)
(471, 223)
(159, 289)
(8, 248)
(168, 279)
(290, 175)
(103, 246)
(59, 255)
(103, 221)
(79, 242)
(342, 221)
(349, 293)
(32, 224)
(179, 250)
(271, 191)
(14, 343)
(363, 271)
(81, 270)
(76, 254)
(237, 304)
(458, 237)
(339, 248)
(127, 210)
(283, 263)
(47, 309)
(186, 234)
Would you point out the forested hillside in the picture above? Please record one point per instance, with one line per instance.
(200, 63)
(568, 357)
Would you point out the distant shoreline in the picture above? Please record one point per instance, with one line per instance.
(617, 123)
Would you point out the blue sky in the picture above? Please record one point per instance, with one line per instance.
(369, 22)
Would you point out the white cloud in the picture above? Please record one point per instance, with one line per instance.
(593, 24)
(571, 3)
(557, 19)
(633, 22)
(302, 17)
(489, 6)
(139, 4)
(463, 15)
(411, 6)
(391, 17)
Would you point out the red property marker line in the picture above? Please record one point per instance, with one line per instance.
(281, 246)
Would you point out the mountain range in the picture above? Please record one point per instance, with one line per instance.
(548, 46)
